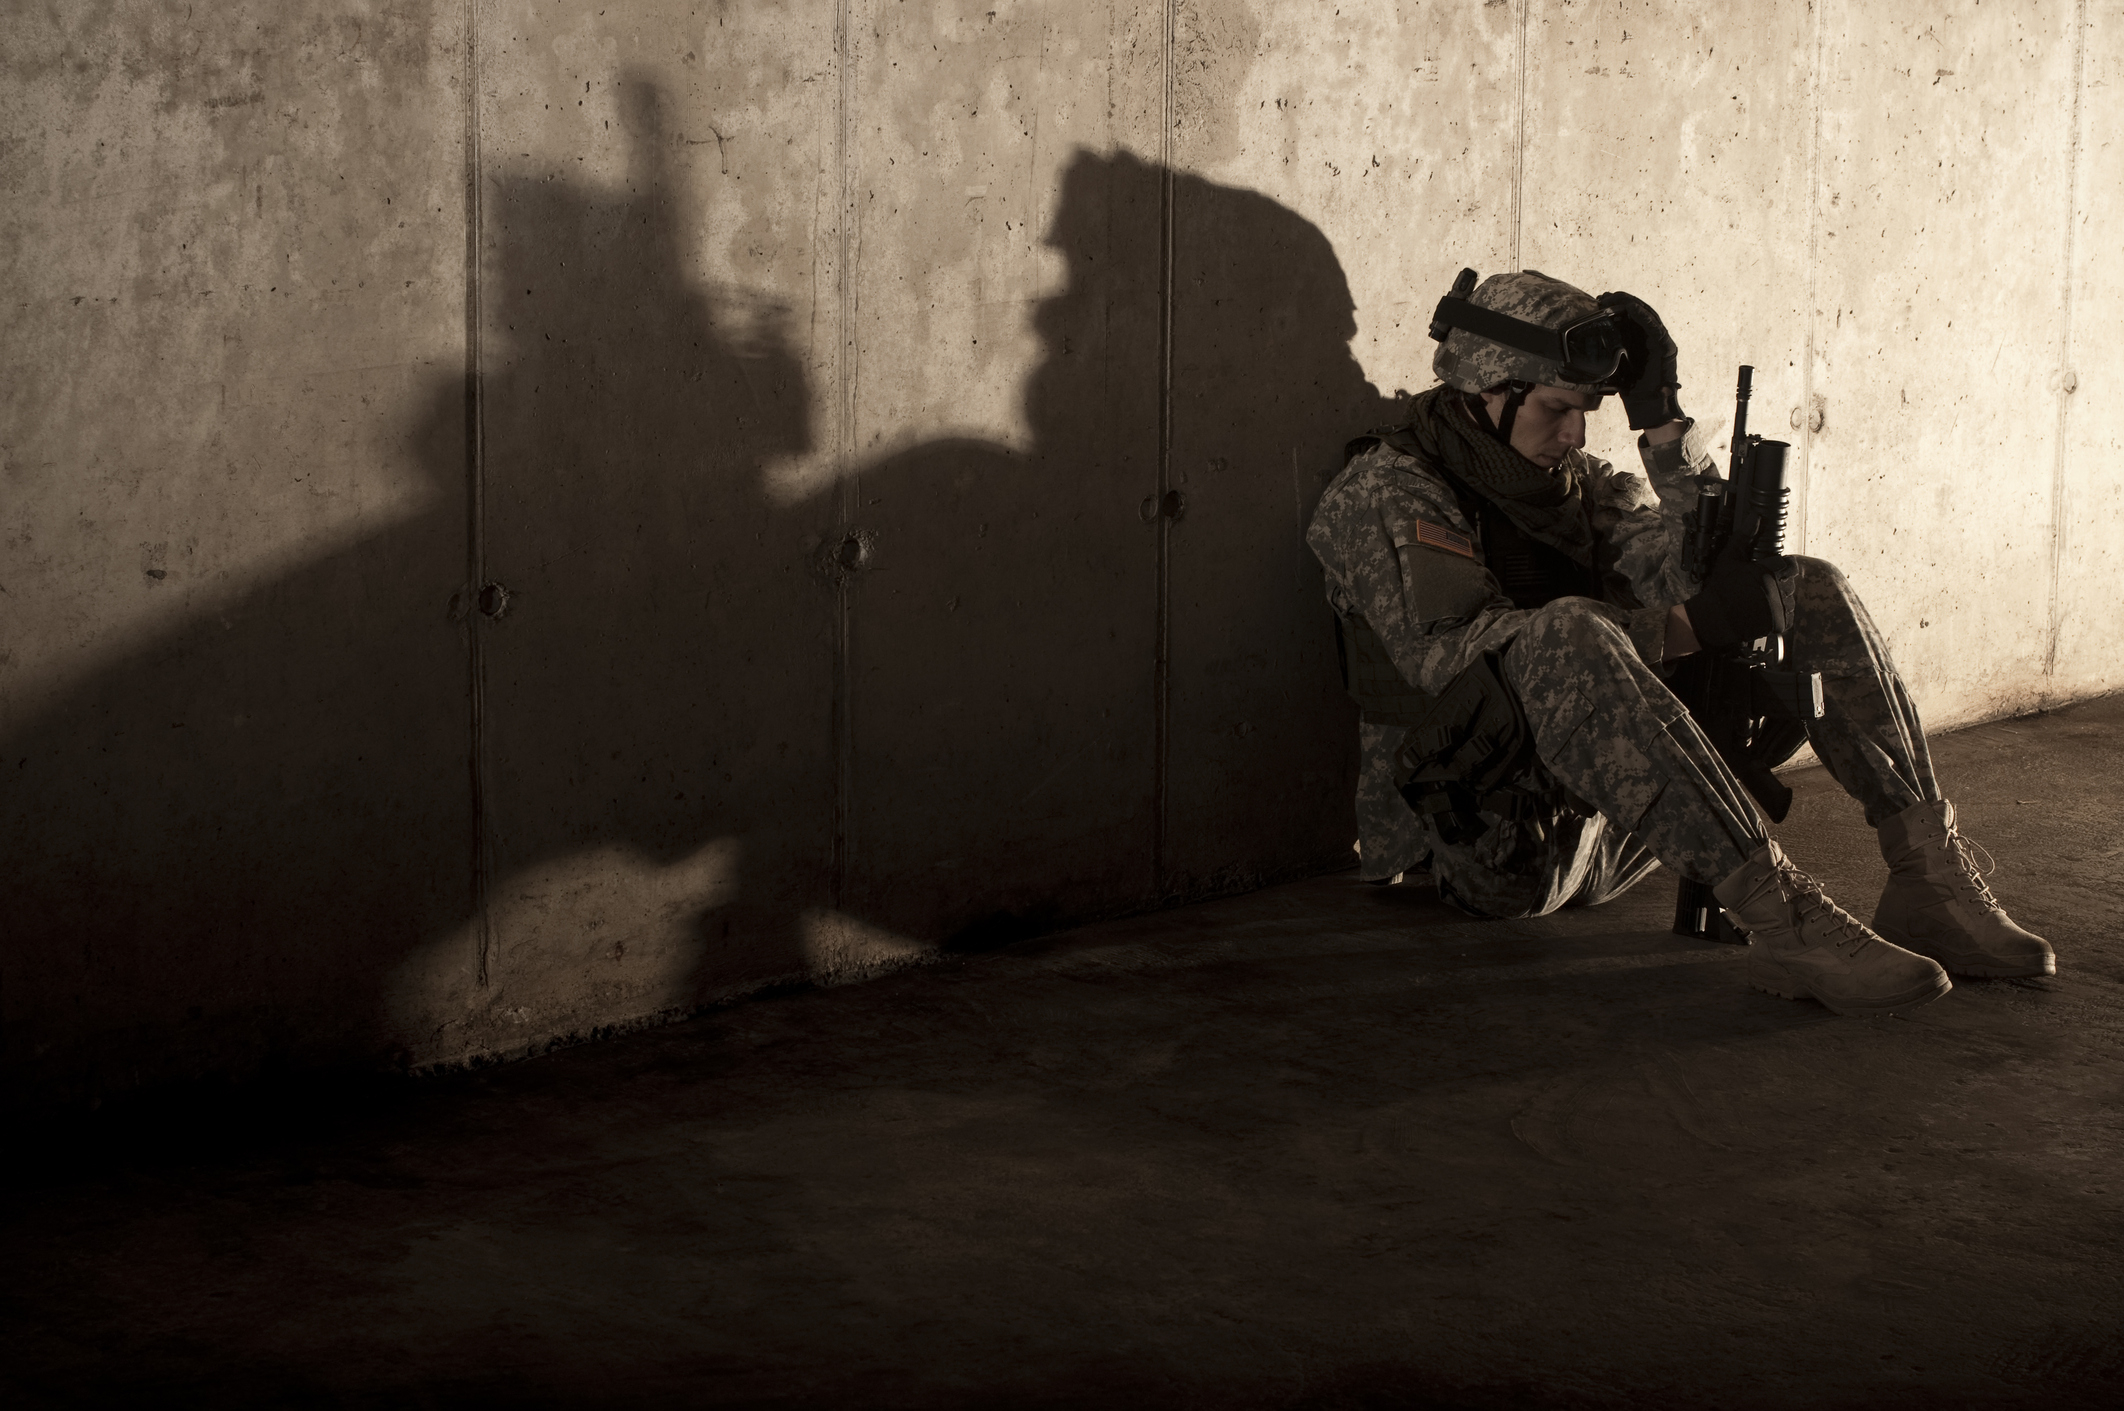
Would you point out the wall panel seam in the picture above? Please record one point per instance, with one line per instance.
(1161, 748)
(847, 496)
(2059, 521)
(1519, 133)
(1816, 78)
(476, 505)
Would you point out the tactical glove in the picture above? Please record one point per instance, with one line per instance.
(1734, 605)
(1649, 377)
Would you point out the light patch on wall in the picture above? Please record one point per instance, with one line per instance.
(994, 343)
(237, 286)
(838, 948)
(588, 123)
(1364, 122)
(790, 481)
(551, 972)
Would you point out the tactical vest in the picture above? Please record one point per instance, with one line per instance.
(1464, 750)
(1383, 696)
(1531, 573)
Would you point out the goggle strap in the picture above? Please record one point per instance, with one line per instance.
(1551, 343)
(1498, 328)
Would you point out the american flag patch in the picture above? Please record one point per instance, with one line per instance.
(1440, 537)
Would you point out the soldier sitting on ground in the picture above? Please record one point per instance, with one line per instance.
(1479, 560)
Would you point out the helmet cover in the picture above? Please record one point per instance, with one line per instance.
(1473, 363)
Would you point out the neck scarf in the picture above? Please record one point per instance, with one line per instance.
(1544, 504)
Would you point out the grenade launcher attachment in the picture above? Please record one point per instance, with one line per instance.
(1751, 707)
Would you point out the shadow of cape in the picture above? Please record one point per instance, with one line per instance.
(225, 851)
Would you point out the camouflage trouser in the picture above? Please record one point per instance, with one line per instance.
(1868, 738)
(1608, 730)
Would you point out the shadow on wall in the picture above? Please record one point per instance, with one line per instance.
(229, 853)
(1006, 627)
(253, 844)
(658, 697)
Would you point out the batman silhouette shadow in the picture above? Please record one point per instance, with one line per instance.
(224, 849)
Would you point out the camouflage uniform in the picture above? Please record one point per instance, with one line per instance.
(1607, 731)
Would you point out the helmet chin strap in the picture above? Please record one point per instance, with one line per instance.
(1506, 415)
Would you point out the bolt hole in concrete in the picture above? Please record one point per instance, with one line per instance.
(493, 599)
(852, 553)
(1171, 505)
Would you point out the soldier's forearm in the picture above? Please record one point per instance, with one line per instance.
(1673, 458)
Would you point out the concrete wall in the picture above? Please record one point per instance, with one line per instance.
(893, 426)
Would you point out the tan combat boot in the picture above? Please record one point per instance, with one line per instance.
(1936, 902)
(1800, 943)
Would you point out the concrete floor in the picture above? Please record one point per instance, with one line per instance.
(1323, 1146)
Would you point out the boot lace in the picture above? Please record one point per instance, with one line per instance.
(1844, 930)
(1965, 852)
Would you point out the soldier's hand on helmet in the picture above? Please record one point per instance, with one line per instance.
(1650, 374)
(1734, 604)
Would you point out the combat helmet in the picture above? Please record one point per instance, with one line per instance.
(1525, 329)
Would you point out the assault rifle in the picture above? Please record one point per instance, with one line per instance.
(1752, 708)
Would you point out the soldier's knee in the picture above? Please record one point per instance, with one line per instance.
(1821, 571)
(1821, 587)
(1831, 630)
(1574, 625)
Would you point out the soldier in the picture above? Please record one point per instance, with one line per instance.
(1505, 598)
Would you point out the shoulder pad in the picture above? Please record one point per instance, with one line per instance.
(1395, 437)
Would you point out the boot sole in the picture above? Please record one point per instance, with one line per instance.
(2000, 971)
(1790, 987)
(1978, 968)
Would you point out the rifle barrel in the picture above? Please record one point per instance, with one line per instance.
(1740, 418)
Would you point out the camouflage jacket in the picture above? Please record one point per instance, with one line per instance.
(1365, 534)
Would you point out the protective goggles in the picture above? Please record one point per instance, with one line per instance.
(1589, 351)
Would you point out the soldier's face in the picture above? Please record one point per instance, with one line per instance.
(1551, 422)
